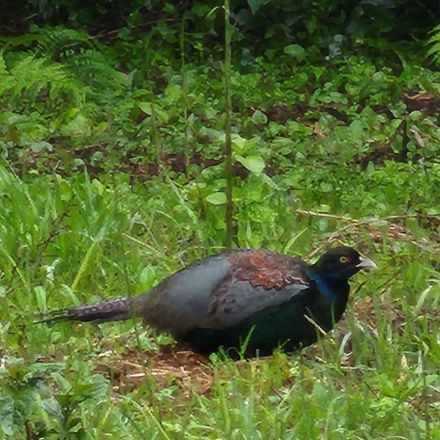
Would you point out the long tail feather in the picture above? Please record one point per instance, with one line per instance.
(114, 310)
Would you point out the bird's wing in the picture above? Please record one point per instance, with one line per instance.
(222, 290)
(268, 270)
(257, 280)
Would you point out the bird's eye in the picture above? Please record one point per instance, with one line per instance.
(343, 260)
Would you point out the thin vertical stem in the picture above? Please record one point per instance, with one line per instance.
(228, 142)
(156, 140)
(186, 152)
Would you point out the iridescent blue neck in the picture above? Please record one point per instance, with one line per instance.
(328, 284)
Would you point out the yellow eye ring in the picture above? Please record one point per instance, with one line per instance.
(343, 260)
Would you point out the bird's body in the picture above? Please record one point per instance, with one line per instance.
(253, 299)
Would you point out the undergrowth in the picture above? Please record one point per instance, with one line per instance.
(98, 201)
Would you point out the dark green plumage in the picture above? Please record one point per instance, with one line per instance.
(257, 296)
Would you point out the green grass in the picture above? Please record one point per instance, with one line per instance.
(71, 240)
(67, 238)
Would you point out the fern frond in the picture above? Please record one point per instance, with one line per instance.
(36, 76)
(434, 50)
(56, 41)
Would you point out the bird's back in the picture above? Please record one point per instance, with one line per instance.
(223, 292)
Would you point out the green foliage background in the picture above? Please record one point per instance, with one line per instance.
(112, 177)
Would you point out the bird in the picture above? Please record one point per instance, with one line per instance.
(245, 301)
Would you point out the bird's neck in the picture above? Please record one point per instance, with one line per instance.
(334, 289)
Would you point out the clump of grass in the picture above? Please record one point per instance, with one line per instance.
(66, 241)
(334, 169)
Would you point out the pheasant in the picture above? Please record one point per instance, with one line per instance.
(251, 301)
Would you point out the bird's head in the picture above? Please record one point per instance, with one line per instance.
(341, 263)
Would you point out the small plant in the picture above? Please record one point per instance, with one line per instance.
(334, 139)
(434, 42)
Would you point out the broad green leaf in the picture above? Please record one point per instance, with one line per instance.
(257, 4)
(238, 143)
(270, 182)
(36, 147)
(217, 198)
(259, 117)
(153, 109)
(146, 107)
(146, 274)
(324, 208)
(254, 164)
(296, 51)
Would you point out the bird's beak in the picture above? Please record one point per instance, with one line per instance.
(366, 263)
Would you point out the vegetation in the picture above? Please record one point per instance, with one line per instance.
(112, 176)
